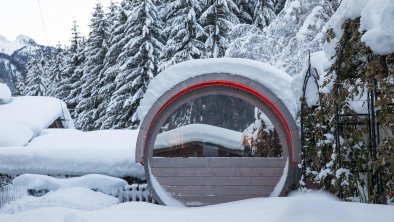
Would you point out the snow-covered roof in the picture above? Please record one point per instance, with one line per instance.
(73, 152)
(33, 113)
(199, 133)
(272, 78)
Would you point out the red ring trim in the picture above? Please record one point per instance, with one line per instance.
(235, 85)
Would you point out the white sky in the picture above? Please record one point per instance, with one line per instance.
(23, 17)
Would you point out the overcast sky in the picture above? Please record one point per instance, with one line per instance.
(23, 17)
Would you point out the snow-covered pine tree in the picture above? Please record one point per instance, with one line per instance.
(107, 83)
(36, 78)
(279, 5)
(115, 19)
(163, 8)
(137, 63)
(94, 53)
(75, 37)
(185, 35)
(246, 10)
(55, 71)
(70, 85)
(264, 12)
(218, 19)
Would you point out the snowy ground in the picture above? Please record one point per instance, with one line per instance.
(306, 207)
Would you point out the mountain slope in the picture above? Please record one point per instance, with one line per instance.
(14, 57)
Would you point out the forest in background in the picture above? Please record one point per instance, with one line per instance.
(103, 77)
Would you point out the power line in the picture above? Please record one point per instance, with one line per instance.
(43, 22)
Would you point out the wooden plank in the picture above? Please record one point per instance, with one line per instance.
(194, 201)
(227, 181)
(219, 190)
(217, 172)
(218, 162)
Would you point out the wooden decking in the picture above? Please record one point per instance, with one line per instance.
(205, 181)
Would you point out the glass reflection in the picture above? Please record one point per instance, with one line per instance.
(217, 126)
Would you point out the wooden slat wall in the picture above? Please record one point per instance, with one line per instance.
(205, 181)
(218, 162)
(217, 172)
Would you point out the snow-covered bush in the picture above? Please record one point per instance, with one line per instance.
(340, 153)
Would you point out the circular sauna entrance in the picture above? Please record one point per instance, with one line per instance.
(216, 138)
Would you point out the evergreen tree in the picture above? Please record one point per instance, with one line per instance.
(114, 20)
(107, 83)
(36, 78)
(218, 19)
(246, 10)
(55, 71)
(264, 12)
(279, 5)
(137, 63)
(183, 32)
(94, 52)
(70, 85)
(75, 37)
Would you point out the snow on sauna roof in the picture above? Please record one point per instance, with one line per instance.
(73, 152)
(272, 78)
(23, 118)
(200, 133)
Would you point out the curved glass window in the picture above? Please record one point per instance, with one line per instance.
(217, 126)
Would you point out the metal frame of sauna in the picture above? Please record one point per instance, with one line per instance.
(204, 181)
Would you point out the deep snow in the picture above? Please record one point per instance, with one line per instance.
(73, 152)
(272, 78)
(35, 112)
(299, 208)
(105, 184)
(73, 198)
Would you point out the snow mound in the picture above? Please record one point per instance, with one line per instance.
(14, 134)
(73, 198)
(299, 208)
(73, 152)
(272, 78)
(106, 184)
(377, 18)
(5, 94)
(35, 112)
(200, 133)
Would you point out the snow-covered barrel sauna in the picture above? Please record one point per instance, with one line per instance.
(218, 130)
